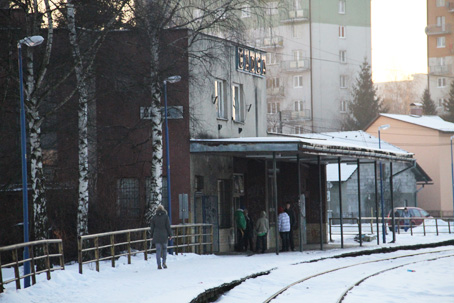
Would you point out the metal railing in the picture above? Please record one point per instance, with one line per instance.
(369, 224)
(112, 245)
(17, 262)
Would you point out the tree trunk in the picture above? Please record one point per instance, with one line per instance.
(82, 88)
(156, 126)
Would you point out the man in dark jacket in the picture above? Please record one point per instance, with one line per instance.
(161, 233)
(291, 214)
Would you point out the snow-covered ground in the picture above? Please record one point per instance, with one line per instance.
(188, 275)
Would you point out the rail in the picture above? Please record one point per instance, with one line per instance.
(112, 245)
(439, 226)
(17, 262)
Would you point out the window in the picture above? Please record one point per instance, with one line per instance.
(341, 6)
(298, 130)
(246, 11)
(272, 82)
(343, 106)
(128, 197)
(237, 104)
(343, 81)
(343, 56)
(441, 22)
(298, 54)
(271, 58)
(441, 82)
(341, 31)
(441, 42)
(299, 106)
(274, 107)
(271, 8)
(441, 102)
(298, 81)
(440, 3)
(220, 100)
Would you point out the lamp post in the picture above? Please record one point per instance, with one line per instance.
(30, 42)
(172, 79)
(452, 179)
(382, 203)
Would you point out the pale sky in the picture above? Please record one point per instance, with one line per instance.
(399, 43)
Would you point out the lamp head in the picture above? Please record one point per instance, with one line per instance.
(386, 126)
(32, 41)
(173, 79)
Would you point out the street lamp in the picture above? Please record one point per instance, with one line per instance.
(386, 126)
(30, 42)
(452, 179)
(171, 79)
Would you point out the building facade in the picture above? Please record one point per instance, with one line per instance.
(428, 137)
(440, 39)
(314, 52)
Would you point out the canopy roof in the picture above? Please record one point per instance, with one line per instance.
(289, 147)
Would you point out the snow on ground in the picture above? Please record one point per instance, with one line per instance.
(189, 275)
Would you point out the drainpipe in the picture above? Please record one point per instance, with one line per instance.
(416, 194)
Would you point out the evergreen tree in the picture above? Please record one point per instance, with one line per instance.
(449, 105)
(365, 105)
(428, 105)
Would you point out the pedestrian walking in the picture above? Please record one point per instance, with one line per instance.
(161, 234)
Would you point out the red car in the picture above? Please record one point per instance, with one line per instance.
(417, 216)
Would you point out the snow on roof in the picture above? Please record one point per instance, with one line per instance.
(433, 122)
(332, 172)
(357, 138)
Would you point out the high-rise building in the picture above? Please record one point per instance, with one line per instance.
(440, 50)
(315, 49)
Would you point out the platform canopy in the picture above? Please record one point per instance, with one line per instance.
(307, 148)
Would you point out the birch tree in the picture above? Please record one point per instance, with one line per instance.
(220, 17)
(83, 70)
(34, 85)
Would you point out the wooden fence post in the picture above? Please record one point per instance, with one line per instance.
(424, 226)
(47, 260)
(62, 257)
(436, 224)
(112, 249)
(177, 239)
(145, 246)
(16, 268)
(79, 247)
(212, 238)
(97, 253)
(32, 265)
(129, 247)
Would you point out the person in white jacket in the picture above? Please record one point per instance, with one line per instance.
(284, 228)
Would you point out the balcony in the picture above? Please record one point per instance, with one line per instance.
(296, 65)
(435, 29)
(272, 42)
(275, 91)
(290, 116)
(295, 15)
(440, 70)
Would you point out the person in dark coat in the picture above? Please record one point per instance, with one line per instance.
(161, 233)
(293, 226)
(248, 232)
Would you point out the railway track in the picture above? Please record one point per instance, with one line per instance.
(359, 267)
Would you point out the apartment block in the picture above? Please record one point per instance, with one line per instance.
(314, 52)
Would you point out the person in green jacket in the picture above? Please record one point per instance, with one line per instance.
(240, 221)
